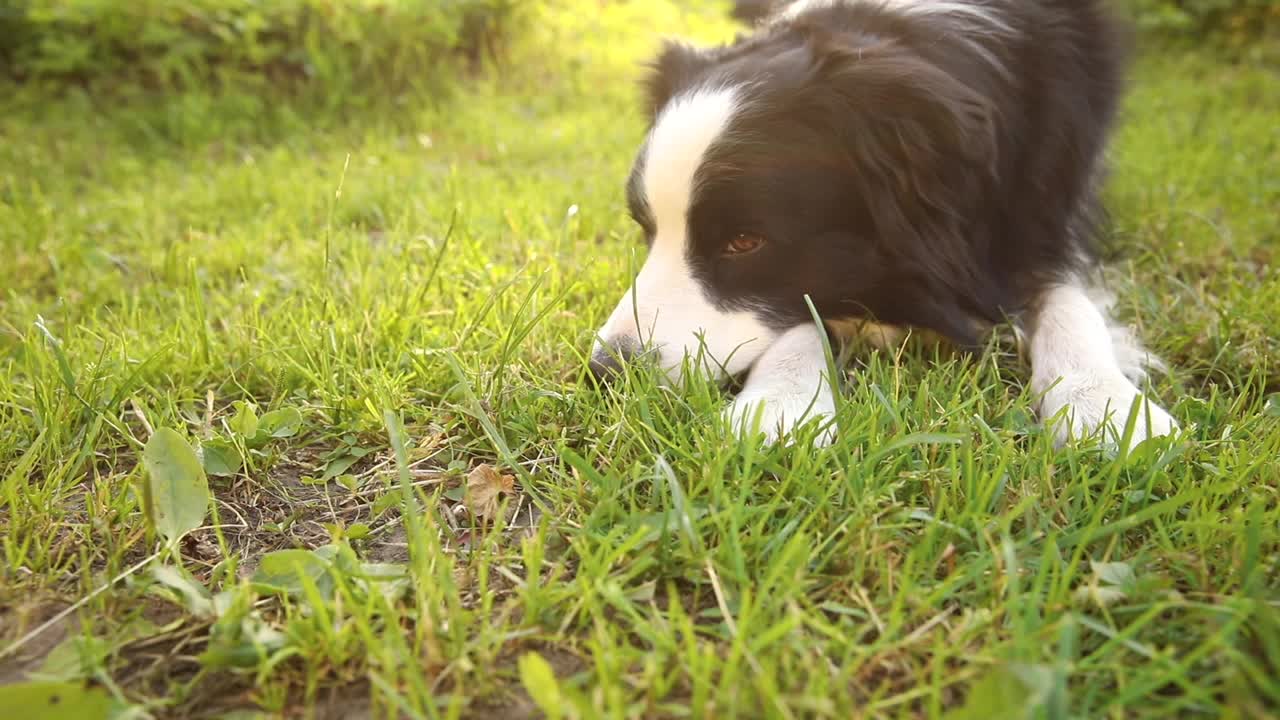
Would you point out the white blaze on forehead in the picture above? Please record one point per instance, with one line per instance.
(972, 11)
(681, 136)
(668, 309)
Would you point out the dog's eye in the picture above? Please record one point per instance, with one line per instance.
(743, 243)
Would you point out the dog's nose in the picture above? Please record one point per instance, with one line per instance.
(607, 361)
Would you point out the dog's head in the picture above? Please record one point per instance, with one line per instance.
(800, 162)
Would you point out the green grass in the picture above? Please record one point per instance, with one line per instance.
(440, 268)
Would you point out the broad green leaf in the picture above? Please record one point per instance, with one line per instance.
(194, 595)
(338, 467)
(247, 643)
(282, 423)
(283, 571)
(390, 580)
(73, 658)
(1102, 595)
(1272, 407)
(330, 552)
(1198, 411)
(1019, 421)
(1113, 573)
(245, 422)
(220, 458)
(63, 662)
(383, 572)
(341, 558)
(56, 701)
(179, 488)
(540, 682)
(1009, 692)
(79, 656)
(386, 501)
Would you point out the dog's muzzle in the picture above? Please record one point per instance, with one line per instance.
(609, 358)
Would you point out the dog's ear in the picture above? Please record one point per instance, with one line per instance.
(901, 118)
(677, 66)
(917, 145)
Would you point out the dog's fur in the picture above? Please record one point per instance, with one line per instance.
(917, 163)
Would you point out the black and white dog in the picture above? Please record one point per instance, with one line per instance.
(928, 164)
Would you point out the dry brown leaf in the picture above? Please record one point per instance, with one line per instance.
(427, 446)
(484, 485)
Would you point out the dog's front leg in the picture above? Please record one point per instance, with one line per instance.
(787, 386)
(1076, 370)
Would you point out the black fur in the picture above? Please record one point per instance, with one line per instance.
(752, 10)
(925, 170)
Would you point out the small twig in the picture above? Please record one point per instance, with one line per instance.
(733, 629)
(337, 194)
(719, 593)
(861, 596)
(436, 480)
(234, 511)
(924, 629)
(208, 413)
(137, 412)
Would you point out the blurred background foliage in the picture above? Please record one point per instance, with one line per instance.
(386, 44)
(181, 43)
(1248, 27)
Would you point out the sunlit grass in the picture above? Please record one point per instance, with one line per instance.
(441, 267)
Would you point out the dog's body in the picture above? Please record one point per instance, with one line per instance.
(916, 163)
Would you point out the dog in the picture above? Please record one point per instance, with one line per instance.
(889, 164)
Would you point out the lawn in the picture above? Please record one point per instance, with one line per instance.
(370, 320)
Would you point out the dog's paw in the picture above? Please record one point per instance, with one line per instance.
(777, 416)
(1102, 402)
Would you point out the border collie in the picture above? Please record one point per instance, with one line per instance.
(927, 164)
